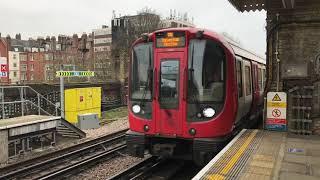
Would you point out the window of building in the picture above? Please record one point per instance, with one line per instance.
(31, 77)
(14, 64)
(23, 67)
(248, 80)
(14, 56)
(14, 74)
(239, 78)
(23, 76)
(23, 57)
(35, 56)
(47, 57)
(31, 67)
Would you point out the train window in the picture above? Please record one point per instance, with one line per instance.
(141, 78)
(169, 84)
(248, 80)
(260, 79)
(239, 78)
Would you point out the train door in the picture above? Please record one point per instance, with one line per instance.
(247, 79)
(241, 96)
(169, 107)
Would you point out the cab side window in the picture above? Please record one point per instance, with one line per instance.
(248, 80)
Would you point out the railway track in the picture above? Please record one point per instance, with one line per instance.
(69, 160)
(151, 168)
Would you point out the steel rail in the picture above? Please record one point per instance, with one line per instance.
(28, 165)
(138, 169)
(85, 162)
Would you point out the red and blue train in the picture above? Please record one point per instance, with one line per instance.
(190, 91)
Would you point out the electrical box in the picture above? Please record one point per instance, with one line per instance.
(80, 101)
(88, 121)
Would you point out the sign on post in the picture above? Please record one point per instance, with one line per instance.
(74, 73)
(276, 111)
(3, 67)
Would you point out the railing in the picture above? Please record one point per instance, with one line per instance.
(30, 102)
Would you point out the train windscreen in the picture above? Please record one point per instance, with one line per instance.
(141, 76)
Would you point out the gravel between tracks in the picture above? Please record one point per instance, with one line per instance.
(114, 126)
(108, 168)
(120, 124)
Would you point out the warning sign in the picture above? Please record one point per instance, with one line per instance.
(3, 67)
(276, 111)
(276, 98)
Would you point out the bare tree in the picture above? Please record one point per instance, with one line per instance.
(146, 21)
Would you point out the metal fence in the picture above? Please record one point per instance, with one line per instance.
(27, 102)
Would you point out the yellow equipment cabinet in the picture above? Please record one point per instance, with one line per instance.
(82, 101)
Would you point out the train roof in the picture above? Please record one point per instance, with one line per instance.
(238, 50)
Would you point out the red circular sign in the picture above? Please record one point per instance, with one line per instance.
(276, 113)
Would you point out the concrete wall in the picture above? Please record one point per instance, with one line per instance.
(4, 146)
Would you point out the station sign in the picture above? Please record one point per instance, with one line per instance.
(74, 73)
(276, 111)
(3, 67)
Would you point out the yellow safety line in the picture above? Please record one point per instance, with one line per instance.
(234, 158)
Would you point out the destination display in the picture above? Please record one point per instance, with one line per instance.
(170, 39)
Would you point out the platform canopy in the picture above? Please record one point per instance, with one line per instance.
(248, 5)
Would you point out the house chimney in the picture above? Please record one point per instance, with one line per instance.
(53, 43)
(8, 39)
(75, 41)
(18, 36)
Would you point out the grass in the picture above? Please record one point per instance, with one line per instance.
(115, 113)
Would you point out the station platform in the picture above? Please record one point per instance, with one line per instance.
(263, 155)
(18, 133)
(40, 123)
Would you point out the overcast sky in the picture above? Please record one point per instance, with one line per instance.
(34, 18)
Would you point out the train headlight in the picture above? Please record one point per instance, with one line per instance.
(209, 112)
(136, 108)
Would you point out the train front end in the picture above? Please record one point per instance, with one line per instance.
(182, 94)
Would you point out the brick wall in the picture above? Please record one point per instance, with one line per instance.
(295, 35)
